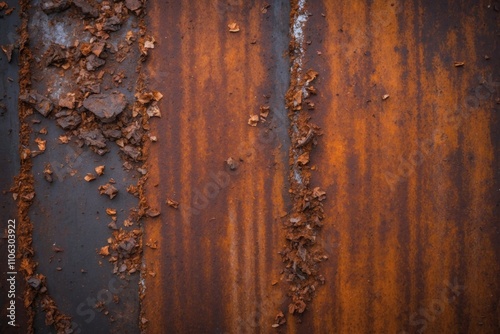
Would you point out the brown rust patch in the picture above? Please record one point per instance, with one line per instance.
(412, 176)
(226, 227)
(24, 182)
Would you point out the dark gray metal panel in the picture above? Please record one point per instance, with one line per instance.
(9, 160)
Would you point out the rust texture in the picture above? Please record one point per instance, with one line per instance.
(67, 130)
(411, 224)
(302, 253)
(10, 65)
(407, 103)
(259, 140)
(23, 185)
(214, 259)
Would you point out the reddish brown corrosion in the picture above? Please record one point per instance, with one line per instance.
(302, 252)
(389, 168)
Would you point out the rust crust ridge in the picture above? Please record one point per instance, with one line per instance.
(302, 254)
(34, 283)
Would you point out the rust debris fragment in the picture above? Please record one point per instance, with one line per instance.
(109, 190)
(233, 27)
(174, 204)
(301, 254)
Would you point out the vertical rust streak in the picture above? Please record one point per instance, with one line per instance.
(216, 248)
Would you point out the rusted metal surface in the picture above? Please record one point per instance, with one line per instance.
(408, 102)
(78, 278)
(9, 162)
(217, 253)
(411, 221)
(68, 285)
(412, 181)
(69, 213)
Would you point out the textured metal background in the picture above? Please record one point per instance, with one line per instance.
(217, 254)
(412, 182)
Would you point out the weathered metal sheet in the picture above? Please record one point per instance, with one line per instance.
(411, 216)
(408, 101)
(217, 253)
(66, 285)
(9, 162)
(412, 181)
